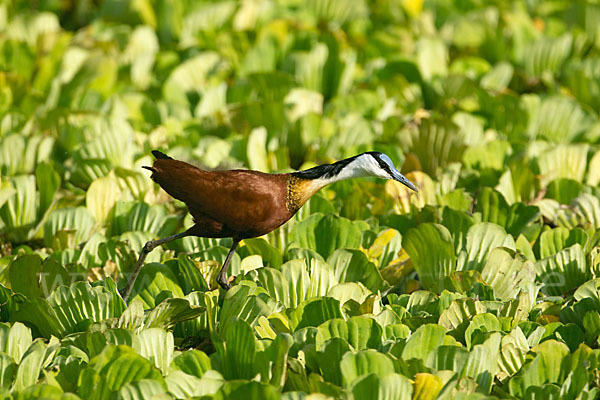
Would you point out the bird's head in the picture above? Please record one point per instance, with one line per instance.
(366, 164)
(371, 163)
(379, 165)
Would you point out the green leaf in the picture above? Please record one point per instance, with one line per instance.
(570, 334)
(30, 366)
(296, 282)
(257, 150)
(389, 387)
(360, 332)
(243, 302)
(20, 153)
(6, 192)
(141, 389)
(140, 52)
(205, 17)
(156, 345)
(547, 54)
(182, 385)
(593, 177)
(451, 358)
(17, 342)
(431, 249)
(587, 208)
(437, 143)
(44, 391)
(590, 289)
(240, 390)
(432, 57)
(498, 77)
(581, 76)
(322, 278)
(326, 233)
(513, 349)
(145, 218)
(48, 182)
(336, 10)
(426, 386)
(237, 353)
(458, 223)
(459, 313)
(79, 305)
(314, 312)
(345, 292)
(353, 266)
(153, 279)
(494, 208)
(481, 323)
(554, 240)
(563, 271)
(7, 371)
(329, 359)
(190, 276)
(489, 155)
(356, 365)
(481, 239)
(276, 285)
(563, 190)
(101, 196)
(190, 75)
(424, 340)
(563, 161)
(38, 312)
(78, 219)
(20, 210)
(270, 255)
(24, 275)
(171, 312)
(277, 356)
(296, 274)
(192, 362)
(545, 367)
(128, 368)
(483, 362)
(508, 273)
(559, 119)
(88, 170)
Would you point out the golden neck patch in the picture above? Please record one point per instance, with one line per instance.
(299, 190)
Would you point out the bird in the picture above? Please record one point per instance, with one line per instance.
(243, 204)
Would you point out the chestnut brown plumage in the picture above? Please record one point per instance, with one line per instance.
(244, 204)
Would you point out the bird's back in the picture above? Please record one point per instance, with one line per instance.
(233, 203)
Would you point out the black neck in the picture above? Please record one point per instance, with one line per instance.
(324, 171)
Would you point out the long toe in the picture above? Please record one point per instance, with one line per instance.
(223, 283)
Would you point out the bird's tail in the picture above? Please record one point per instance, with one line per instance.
(160, 155)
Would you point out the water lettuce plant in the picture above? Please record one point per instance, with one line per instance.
(484, 284)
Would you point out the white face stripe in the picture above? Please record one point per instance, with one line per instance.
(367, 164)
(362, 166)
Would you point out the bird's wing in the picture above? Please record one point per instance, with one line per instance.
(243, 201)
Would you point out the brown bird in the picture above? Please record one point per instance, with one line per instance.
(244, 204)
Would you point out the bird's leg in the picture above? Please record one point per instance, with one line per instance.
(148, 247)
(221, 279)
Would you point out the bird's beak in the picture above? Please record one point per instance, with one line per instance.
(402, 179)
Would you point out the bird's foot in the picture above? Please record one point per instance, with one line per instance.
(225, 284)
(222, 281)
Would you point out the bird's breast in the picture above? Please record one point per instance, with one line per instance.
(299, 190)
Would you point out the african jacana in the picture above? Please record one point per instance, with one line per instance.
(244, 204)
